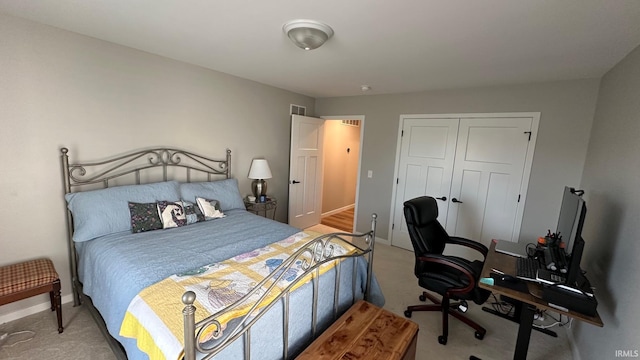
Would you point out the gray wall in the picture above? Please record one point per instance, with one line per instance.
(611, 182)
(567, 109)
(62, 89)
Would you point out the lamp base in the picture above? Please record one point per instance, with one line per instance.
(259, 187)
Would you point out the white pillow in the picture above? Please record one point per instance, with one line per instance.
(210, 208)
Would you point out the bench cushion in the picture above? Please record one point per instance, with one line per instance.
(26, 275)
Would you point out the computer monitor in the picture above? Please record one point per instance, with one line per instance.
(569, 226)
(574, 271)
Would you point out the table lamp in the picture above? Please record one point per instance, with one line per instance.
(259, 171)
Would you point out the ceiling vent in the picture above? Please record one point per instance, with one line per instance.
(297, 110)
(355, 123)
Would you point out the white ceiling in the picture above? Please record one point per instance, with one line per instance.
(392, 46)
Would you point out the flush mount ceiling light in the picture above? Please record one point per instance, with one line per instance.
(307, 34)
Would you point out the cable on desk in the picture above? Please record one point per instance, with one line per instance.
(557, 321)
(500, 306)
(561, 324)
(534, 295)
(531, 249)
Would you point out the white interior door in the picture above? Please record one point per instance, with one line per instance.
(426, 166)
(305, 171)
(489, 167)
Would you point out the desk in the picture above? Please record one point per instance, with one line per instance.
(531, 301)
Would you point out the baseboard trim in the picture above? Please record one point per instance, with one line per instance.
(335, 211)
(19, 314)
(380, 240)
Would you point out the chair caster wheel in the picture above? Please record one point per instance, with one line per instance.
(407, 313)
(422, 298)
(479, 335)
(442, 340)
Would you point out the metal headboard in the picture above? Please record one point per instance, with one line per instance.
(137, 164)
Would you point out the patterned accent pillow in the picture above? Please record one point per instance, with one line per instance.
(210, 208)
(193, 212)
(144, 217)
(172, 214)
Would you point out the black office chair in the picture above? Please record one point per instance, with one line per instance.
(450, 276)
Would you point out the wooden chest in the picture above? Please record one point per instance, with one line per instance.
(365, 331)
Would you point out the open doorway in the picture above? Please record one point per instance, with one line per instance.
(342, 154)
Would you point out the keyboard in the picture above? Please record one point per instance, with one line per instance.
(527, 268)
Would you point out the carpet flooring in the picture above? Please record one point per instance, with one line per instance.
(82, 339)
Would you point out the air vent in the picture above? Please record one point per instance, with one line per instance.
(355, 123)
(298, 110)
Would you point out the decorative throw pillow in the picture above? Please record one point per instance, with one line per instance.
(144, 217)
(172, 214)
(193, 212)
(210, 208)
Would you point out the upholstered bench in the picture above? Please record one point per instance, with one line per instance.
(365, 331)
(29, 278)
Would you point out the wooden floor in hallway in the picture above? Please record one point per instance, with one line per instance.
(342, 220)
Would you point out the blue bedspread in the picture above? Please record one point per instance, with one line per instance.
(123, 264)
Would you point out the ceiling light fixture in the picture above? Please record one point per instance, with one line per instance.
(307, 34)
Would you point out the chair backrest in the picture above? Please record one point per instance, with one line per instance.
(426, 233)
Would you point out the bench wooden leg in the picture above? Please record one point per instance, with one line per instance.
(56, 303)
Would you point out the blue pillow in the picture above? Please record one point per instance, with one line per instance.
(106, 211)
(225, 191)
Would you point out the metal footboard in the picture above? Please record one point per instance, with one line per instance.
(312, 255)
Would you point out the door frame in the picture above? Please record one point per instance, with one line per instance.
(527, 163)
(351, 117)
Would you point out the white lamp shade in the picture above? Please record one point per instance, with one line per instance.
(259, 169)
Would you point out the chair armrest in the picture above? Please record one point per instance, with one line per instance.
(470, 244)
(452, 262)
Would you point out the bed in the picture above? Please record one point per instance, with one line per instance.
(171, 265)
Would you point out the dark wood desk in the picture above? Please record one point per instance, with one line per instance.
(531, 301)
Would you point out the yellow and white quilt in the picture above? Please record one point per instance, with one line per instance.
(154, 315)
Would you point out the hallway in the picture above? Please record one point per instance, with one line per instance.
(342, 220)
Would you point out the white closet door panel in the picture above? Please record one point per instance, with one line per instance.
(426, 164)
(498, 216)
(488, 171)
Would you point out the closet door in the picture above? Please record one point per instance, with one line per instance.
(479, 162)
(426, 167)
(487, 177)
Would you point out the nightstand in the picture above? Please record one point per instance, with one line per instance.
(262, 208)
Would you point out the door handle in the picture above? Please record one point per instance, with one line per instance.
(295, 182)
(444, 198)
(456, 201)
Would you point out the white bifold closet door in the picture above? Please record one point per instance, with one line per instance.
(474, 166)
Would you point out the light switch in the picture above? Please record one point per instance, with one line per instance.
(370, 174)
